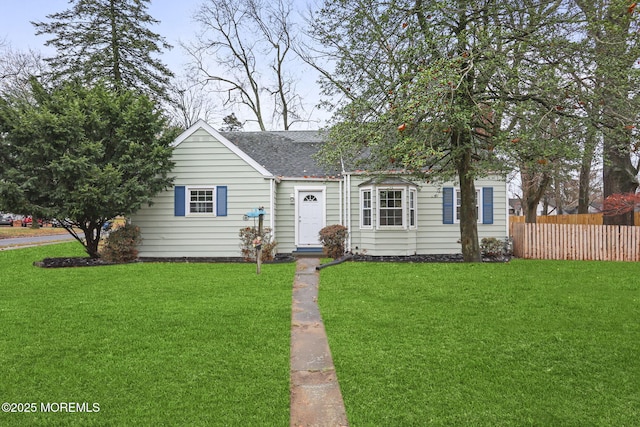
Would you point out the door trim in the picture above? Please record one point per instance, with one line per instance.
(297, 191)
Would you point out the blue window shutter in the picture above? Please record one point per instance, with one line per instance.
(447, 205)
(178, 201)
(221, 200)
(487, 205)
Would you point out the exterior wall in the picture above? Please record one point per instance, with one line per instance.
(431, 236)
(201, 160)
(285, 214)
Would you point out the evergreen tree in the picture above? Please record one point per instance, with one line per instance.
(108, 40)
(231, 123)
(83, 155)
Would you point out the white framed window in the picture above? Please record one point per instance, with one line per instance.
(366, 208)
(413, 211)
(390, 203)
(458, 201)
(391, 207)
(201, 201)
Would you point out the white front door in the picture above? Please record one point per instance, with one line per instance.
(310, 217)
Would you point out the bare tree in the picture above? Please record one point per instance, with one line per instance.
(250, 41)
(16, 67)
(188, 103)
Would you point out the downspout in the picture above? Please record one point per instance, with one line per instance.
(347, 203)
(272, 208)
(506, 208)
(340, 202)
(348, 211)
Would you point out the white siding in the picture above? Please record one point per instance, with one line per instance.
(285, 209)
(431, 236)
(202, 160)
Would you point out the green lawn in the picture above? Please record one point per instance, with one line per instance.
(539, 343)
(151, 344)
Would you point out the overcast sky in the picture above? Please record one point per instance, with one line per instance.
(175, 24)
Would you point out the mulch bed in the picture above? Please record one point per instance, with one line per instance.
(71, 262)
(410, 258)
(426, 258)
(91, 262)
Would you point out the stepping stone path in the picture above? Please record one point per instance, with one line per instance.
(315, 393)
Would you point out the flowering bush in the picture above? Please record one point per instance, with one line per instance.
(333, 238)
(249, 241)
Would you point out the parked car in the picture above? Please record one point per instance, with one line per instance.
(6, 220)
(60, 223)
(27, 221)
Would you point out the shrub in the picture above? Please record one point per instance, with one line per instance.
(333, 238)
(248, 238)
(493, 248)
(121, 244)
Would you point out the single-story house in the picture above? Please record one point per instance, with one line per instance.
(221, 176)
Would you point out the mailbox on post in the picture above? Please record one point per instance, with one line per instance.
(255, 213)
(258, 213)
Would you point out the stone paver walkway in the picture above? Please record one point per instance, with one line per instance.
(315, 393)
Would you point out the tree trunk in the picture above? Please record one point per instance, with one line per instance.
(557, 194)
(534, 185)
(584, 187)
(91, 239)
(614, 87)
(468, 221)
(468, 210)
(115, 46)
(619, 177)
(530, 212)
(585, 173)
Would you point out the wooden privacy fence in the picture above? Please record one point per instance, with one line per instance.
(592, 218)
(595, 218)
(576, 242)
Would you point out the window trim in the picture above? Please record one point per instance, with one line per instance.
(479, 205)
(187, 200)
(408, 191)
(413, 197)
(370, 208)
(403, 199)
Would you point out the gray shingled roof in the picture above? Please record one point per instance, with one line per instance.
(283, 153)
